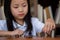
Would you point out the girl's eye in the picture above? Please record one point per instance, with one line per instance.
(15, 7)
(24, 5)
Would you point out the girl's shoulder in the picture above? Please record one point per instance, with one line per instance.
(34, 19)
(2, 22)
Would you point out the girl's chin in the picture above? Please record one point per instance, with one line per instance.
(21, 18)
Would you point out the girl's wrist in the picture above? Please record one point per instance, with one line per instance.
(11, 33)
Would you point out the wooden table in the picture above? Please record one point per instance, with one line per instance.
(34, 38)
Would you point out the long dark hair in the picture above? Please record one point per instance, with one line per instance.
(9, 16)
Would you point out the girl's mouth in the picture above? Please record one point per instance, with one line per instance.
(21, 14)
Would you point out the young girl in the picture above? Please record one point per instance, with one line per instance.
(19, 20)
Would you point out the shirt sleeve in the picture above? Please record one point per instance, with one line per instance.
(38, 25)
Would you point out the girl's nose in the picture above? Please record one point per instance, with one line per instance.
(20, 9)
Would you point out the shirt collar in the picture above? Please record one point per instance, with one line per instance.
(18, 25)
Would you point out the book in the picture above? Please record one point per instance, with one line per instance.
(48, 13)
(40, 12)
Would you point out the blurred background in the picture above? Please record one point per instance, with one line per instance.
(42, 9)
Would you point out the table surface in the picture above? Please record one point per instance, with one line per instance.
(26, 38)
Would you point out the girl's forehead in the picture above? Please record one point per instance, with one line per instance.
(18, 1)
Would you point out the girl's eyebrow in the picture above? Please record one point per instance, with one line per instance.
(17, 3)
(14, 4)
(23, 3)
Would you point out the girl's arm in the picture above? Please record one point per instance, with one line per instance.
(11, 33)
(5, 33)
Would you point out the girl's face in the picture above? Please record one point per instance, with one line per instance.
(19, 8)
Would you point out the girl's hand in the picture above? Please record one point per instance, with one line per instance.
(17, 32)
(49, 26)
